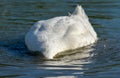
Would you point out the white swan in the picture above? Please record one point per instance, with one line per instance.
(62, 33)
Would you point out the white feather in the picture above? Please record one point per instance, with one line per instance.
(62, 33)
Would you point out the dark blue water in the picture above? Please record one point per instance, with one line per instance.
(99, 61)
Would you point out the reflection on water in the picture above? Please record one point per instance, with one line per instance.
(98, 61)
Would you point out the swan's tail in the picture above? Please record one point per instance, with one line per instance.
(80, 11)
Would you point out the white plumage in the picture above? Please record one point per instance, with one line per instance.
(62, 33)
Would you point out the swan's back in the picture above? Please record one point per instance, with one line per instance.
(61, 33)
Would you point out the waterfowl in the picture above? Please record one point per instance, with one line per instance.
(62, 33)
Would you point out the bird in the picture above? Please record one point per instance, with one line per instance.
(61, 33)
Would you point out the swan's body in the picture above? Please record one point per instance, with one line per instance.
(59, 34)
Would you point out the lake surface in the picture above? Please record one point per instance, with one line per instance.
(99, 61)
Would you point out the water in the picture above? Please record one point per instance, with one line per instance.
(99, 61)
